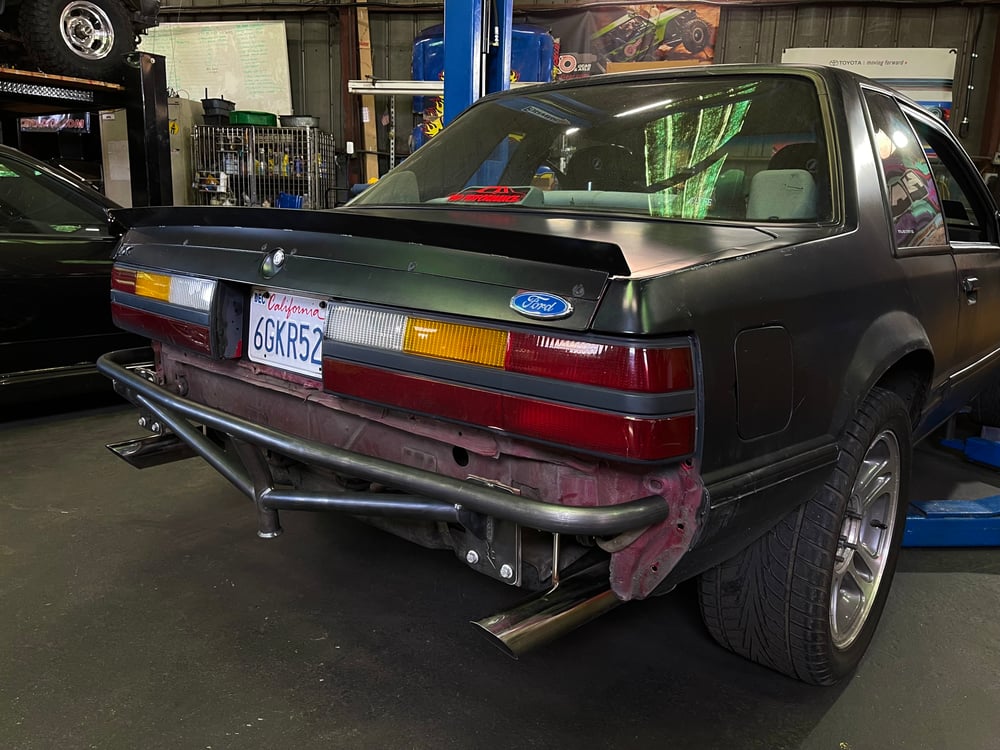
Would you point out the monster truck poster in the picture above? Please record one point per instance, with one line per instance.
(587, 40)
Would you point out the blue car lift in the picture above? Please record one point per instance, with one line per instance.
(958, 523)
(477, 39)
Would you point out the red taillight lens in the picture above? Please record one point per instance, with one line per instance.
(621, 366)
(159, 328)
(634, 438)
(626, 368)
(123, 279)
(625, 436)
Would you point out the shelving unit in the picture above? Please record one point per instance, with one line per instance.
(263, 166)
(142, 95)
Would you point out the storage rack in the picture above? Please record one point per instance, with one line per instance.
(249, 165)
(142, 95)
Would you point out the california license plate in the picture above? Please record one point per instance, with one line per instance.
(286, 331)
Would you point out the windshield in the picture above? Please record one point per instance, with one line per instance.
(733, 148)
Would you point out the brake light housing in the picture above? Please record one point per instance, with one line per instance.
(626, 400)
(166, 307)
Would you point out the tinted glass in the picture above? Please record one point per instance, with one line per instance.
(31, 202)
(966, 212)
(732, 148)
(913, 197)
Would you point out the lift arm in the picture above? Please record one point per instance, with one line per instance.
(477, 38)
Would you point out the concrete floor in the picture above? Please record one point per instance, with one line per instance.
(139, 610)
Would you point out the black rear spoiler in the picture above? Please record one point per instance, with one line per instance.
(450, 228)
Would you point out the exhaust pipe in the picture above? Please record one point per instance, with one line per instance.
(575, 601)
(154, 450)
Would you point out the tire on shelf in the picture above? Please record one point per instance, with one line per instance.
(83, 38)
(805, 598)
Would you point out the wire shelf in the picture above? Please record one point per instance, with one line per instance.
(263, 166)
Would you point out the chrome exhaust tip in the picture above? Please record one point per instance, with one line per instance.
(154, 450)
(576, 601)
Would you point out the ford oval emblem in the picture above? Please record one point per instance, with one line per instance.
(541, 305)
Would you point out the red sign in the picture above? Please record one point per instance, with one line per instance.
(494, 194)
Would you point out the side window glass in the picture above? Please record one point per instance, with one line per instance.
(965, 211)
(33, 203)
(913, 197)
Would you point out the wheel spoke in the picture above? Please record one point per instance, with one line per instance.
(846, 603)
(878, 475)
(862, 577)
(866, 562)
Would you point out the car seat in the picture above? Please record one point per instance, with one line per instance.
(602, 167)
(782, 195)
(805, 156)
(811, 157)
(730, 199)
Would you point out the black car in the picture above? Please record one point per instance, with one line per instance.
(83, 38)
(56, 241)
(687, 323)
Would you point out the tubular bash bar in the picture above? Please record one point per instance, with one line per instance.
(433, 497)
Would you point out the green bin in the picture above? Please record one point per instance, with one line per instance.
(244, 117)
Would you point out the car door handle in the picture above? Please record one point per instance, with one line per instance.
(970, 285)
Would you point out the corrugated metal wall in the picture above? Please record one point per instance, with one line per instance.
(747, 33)
(760, 34)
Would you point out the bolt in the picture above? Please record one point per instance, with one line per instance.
(142, 421)
(155, 427)
(472, 557)
(506, 572)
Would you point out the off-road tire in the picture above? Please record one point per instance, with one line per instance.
(772, 602)
(695, 35)
(42, 33)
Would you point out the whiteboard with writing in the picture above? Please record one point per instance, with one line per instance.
(243, 61)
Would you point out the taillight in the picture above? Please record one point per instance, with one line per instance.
(164, 307)
(613, 402)
(628, 436)
(624, 367)
(186, 291)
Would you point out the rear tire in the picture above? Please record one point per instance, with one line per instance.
(805, 598)
(84, 38)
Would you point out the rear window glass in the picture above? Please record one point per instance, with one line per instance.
(715, 147)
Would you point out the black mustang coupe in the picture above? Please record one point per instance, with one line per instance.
(599, 337)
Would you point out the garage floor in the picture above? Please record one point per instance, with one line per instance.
(139, 609)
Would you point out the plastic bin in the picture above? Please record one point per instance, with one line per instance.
(217, 107)
(246, 117)
(287, 200)
(299, 121)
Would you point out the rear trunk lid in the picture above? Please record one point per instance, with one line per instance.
(467, 263)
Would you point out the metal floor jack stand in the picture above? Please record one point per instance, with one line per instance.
(961, 522)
